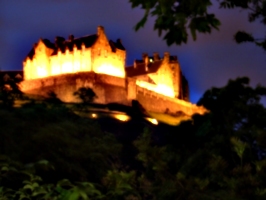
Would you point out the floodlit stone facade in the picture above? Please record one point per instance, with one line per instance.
(93, 53)
(92, 61)
(161, 75)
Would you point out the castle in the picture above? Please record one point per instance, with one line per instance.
(93, 61)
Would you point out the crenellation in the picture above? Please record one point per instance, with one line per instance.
(156, 56)
(96, 62)
(166, 57)
(64, 56)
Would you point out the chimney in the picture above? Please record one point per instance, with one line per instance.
(145, 59)
(119, 41)
(156, 56)
(71, 38)
(144, 56)
(135, 64)
(59, 41)
(166, 56)
(83, 46)
(175, 58)
(100, 30)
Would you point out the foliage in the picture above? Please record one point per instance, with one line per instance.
(220, 155)
(86, 94)
(9, 92)
(74, 145)
(32, 186)
(52, 98)
(236, 108)
(176, 17)
(120, 184)
(215, 156)
(257, 11)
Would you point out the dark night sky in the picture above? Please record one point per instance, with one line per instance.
(210, 61)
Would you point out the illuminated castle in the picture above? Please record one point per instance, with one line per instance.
(90, 53)
(93, 61)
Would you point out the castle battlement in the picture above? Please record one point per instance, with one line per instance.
(85, 54)
(93, 61)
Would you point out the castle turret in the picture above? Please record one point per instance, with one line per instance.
(166, 57)
(71, 38)
(100, 30)
(156, 56)
(59, 41)
(145, 59)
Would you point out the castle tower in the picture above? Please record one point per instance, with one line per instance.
(85, 54)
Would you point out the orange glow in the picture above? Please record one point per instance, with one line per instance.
(76, 66)
(62, 63)
(159, 88)
(122, 117)
(55, 70)
(67, 67)
(41, 72)
(93, 115)
(109, 69)
(152, 120)
(43, 63)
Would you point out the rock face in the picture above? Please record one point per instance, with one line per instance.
(92, 61)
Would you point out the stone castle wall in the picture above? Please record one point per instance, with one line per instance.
(107, 88)
(162, 104)
(98, 58)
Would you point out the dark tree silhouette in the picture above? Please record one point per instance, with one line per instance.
(52, 98)
(9, 92)
(257, 12)
(175, 18)
(86, 94)
(215, 156)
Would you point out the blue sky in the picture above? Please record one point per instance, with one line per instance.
(209, 62)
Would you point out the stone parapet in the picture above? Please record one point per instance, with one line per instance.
(107, 88)
(81, 78)
(159, 103)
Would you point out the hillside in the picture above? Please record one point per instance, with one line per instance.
(51, 150)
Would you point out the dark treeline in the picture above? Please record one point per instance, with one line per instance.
(49, 152)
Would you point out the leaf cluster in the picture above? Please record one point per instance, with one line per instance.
(32, 186)
(257, 11)
(76, 146)
(174, 17)
(85, 94)
(216, 156)
(9, 92)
